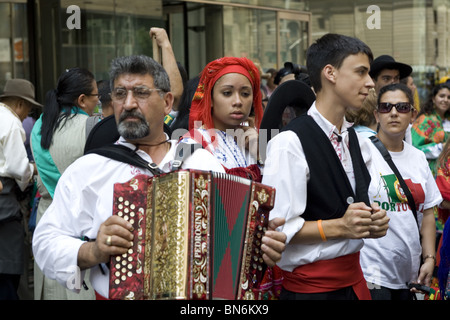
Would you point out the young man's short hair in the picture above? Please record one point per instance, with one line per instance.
(332, 49)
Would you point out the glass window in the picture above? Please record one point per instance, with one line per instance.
(5, 44)
(413, 32)
(268, 37)
(293, 38)
(14, 59)
(251, 33)
(109, 28)
(279, 4)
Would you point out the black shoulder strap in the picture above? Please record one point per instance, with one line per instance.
(127, 155)
(385, 153)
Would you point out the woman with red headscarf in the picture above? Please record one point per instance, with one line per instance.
(226, 112)
(225, 116)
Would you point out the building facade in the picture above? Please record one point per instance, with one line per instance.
(60, 34)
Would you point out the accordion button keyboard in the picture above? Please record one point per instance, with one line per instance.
(124, 264)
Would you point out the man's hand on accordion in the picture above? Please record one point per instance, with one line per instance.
(273, 242)
(114, 237)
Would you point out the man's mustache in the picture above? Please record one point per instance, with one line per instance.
(133, 114)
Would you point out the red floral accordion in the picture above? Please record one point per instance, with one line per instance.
(197, 235)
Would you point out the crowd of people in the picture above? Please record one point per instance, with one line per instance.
(359, 166)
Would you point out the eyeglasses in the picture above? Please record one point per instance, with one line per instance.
(402, 107)
(94, 94)
(141, 93)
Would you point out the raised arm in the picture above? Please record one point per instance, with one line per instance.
(169, 63)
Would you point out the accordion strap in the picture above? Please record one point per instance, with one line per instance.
(385, 153)
(127, 155)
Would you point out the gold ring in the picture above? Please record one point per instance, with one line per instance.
(108, 241)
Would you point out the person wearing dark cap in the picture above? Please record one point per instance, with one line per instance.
(385, 70)
(16, 172)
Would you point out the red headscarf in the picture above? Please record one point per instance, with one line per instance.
(201, 103)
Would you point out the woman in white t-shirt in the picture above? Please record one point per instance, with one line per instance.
(391, 262)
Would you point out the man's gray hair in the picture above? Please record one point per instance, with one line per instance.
(139, 64)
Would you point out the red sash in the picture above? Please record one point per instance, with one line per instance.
(98, 296)
(328, 275)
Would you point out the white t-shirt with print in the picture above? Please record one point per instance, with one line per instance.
(394, 260)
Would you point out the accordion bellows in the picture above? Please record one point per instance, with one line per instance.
(197, 235)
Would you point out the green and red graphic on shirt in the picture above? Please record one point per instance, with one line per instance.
(397, 197)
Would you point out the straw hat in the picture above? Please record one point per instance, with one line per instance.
(20, 88)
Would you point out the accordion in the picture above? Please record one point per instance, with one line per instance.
(197, 236)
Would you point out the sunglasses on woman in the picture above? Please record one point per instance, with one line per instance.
(402, 107)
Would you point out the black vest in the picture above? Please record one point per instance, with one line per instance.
(329, 190)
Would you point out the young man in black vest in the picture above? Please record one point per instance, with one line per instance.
(318, 167)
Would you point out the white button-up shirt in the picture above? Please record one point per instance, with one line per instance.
(14, 162)
(287, 170)
(83, 201)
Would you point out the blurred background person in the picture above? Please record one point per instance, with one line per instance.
(409, 81)
(16, 173)
(270, 85)
(58, 139)
(385, 70)
(184, 107)
(363, 119)
(104, 92)
(431, 128)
